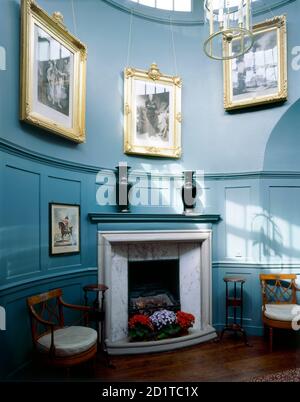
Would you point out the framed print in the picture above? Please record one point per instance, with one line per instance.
(64, 229)
(152, 113)
(53, 74)
(260, 75)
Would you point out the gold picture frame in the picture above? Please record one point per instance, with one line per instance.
(53, 74)
(259, 76)
(152, 113)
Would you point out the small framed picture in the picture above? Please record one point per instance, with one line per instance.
(53, 74)
(64, 229)
(152, 113)
(259, 76)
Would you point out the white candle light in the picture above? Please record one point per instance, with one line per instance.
(241, 13)
(211, 20)
(221, 15)
(248, 14)
(225, 21)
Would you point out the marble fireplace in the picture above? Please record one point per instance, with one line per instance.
(192, 249)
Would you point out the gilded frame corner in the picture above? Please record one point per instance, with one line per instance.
(278, 23)
(32, 14)
(153, 75)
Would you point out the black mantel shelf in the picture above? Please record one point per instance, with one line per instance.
(151, 218)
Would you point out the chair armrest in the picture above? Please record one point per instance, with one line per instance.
(85, 309)
(75, 306)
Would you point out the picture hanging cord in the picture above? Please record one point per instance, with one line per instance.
(74, 18)
(269, 8)
(173, 47)
(129, 39)
(273, 15)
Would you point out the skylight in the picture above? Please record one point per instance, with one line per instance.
(173, 5)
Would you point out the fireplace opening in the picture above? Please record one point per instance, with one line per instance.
(153, 285)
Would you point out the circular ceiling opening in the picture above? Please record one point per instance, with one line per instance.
(188, 11)
(171, 5)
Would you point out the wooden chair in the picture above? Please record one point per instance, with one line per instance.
(279, 302)
(55, 343)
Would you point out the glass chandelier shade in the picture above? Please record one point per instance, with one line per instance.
(230, 28)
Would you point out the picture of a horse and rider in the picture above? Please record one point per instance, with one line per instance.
(64, 228)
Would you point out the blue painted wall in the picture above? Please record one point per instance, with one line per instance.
(207, 129)
(261, 221)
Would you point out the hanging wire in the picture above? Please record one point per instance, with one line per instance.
(129, 38)
(273, 57)
(269, 8)
(173, 47)
(74, 17)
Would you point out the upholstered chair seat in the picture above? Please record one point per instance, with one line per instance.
(281, 312)
(69, 341)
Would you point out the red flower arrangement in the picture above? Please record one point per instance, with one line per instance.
(140, 319)
(184, 320)
(141, 327)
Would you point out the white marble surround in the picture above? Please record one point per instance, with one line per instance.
(192, 248)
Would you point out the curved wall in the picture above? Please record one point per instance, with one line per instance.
(237, 142)
(259, 209)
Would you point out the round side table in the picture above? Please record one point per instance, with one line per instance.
(98, 311)
(236, 302)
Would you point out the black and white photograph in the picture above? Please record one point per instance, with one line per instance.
(54, 62)
(259, 76)
(52, 78)
(153, 115)
(256, 72)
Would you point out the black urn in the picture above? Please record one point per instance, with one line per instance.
(123, 187)
(189, 192)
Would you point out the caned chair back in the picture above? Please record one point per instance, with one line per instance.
(45, 309)
(278, 289)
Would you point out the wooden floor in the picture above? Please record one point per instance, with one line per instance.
(226, 361)
(229, 360)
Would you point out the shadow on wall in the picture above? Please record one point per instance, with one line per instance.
(269, 239)
(282, 150)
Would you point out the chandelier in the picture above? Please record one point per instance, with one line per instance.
(230, 28)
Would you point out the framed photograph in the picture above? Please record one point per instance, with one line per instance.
(260, 75)
(64, 229)
(53, 74)
(152, 113)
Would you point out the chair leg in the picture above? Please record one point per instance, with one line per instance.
(271, 339)
(265, 332)
(94, 365)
